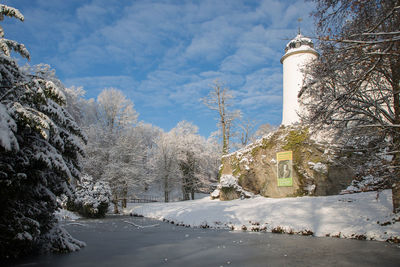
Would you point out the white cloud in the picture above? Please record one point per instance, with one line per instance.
(213, 40)
(98, 83)
(254, 50)
(262, 87)
(93, 14)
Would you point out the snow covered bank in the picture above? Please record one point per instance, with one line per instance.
(66, 215)
(363, 215)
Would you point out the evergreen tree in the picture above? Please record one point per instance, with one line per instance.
(40, 149)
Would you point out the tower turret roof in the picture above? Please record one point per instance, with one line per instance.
(299, 44)
(299, 41)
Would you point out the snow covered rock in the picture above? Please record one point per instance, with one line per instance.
(215, 194)
(229, 189)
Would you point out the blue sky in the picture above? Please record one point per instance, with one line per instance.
(164, 55)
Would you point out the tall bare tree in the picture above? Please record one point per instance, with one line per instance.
(355, 85)
(245, 132)
(220, 100)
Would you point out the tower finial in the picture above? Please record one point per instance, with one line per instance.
(299, 20)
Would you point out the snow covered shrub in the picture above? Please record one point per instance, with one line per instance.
(91, 199)
(40, 151)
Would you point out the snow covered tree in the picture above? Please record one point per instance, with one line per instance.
(110, 117)
(182, 159)
(219, 99)
(125, 170)
(354, 87)
(76, 105)
(147, 135)
(165, 164)
(114, 150)
(194, 155)
(189, 145)
(96, 150)
(115, 111)
(40, 151)
(90, 199)
(118, 150)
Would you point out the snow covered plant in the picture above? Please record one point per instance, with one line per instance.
(40, 151)
(90, 199)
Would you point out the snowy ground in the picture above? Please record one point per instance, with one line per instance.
(65, 215)
(362, 215)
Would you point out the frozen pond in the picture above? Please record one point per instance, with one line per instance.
(122, 241)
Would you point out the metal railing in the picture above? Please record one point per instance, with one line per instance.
(144, 199)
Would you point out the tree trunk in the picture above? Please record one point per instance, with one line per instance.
(166, 188)
(185, 194)
(166, 196)
(125, 197)
(115, 202)
(192, 194)
(224, 138)
(395, 67)
(396, 175)
(396, 197)
(185, 189)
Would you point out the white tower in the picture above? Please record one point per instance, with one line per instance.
(298, 52)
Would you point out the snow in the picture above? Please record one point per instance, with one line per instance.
(66, 215)
(358, 215)
(301, 48)
(11, 12)
(215, 193)
(24, 235)
(368, 183)
(299, 39)
(91, 199)
(141, 226)
(318, 167)
(7, 128)
(92, 194)
(228, 180)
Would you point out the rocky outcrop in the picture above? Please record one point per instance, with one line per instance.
(229, 189)
(317, 170)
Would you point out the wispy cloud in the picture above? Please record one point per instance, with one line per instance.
(97, 84)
